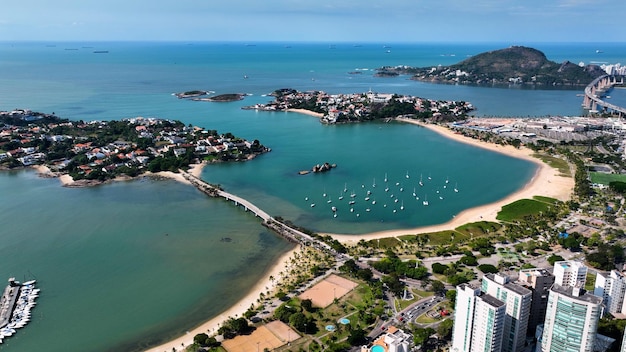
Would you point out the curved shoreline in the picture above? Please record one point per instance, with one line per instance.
(545, 182)
(235, 310)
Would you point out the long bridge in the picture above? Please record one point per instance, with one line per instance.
(275, 225)
(595, 90)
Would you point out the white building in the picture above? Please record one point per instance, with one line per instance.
(479, 321)
(611, 287)
(398, 341)
(571, 320)
(518, 304)
(570, 273)
(623, 349)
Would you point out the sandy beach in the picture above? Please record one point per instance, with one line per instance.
(307, 112)
(546, 182)
(236, 310)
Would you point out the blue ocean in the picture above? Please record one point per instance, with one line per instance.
(128, 265)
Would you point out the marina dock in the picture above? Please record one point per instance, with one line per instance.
(7, 302)
(15, 305)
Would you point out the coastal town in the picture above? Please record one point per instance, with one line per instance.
(400, 290)
(97, 151)
(405, 290)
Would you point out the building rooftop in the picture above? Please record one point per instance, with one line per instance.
(492, 301)
(576, 293)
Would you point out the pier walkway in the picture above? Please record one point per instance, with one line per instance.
(291, 234)
(593, 94)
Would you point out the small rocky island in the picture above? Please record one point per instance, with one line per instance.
(191, 94)
(224, 97)
(516, 65)
(319, 168)
(202, 95)
(97, 151)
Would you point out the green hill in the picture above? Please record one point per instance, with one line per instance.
(516, 65)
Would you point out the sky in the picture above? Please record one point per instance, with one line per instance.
(329, 21)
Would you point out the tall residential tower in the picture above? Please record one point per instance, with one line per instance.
(518, 303)
(539, 282)
(479, 321)
(571, 320)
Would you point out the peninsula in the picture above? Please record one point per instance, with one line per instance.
(361, 107)
(514, 65)
(94, 152)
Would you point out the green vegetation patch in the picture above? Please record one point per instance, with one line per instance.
(520, 209)
(605, 179)
(548, 200)
(556, 163)
(479, 228)
(384, 243)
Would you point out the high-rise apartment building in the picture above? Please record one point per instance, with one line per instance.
(571, 321)
(479, 321)
(569, 273)
(539, 282)
(518, 303)
(612, 288)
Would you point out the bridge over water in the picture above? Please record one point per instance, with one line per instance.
(275, 225)
(594, 91)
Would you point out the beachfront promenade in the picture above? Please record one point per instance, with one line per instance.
(595, 90)
(277, 226)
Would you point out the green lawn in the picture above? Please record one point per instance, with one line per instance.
(384, 243)
(519, 209)
(605, 179)
(479, 228)
(556, 163)
(546, 199)
(439, 238)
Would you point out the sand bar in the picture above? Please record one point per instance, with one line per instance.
(238, 309)
(547, 181)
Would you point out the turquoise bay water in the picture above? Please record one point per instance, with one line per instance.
(127, 265)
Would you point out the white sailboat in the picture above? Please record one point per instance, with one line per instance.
(421, 183)
(341, 196)
(374, 183)
(414, 192)
(402, 206)
(345, 187)
(455, 188)
(407, 175)
(425, 202)
(385, 177)
(329, 200)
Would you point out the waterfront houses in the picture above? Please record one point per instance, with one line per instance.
(357, 107)
(101, 150)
